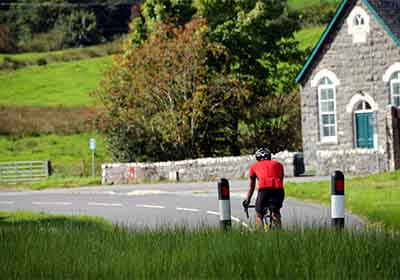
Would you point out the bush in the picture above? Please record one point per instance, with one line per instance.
(41, 62)
(43, 42)
(165, 103)
(11, 63)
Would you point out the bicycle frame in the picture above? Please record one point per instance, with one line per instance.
(267, 217)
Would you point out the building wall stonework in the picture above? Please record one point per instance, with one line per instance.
(360, 68)
(208, 169)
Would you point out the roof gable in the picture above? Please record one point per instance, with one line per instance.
(387, 18)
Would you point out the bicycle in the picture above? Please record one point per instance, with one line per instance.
(268, 220)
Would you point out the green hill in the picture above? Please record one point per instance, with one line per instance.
(66, 83)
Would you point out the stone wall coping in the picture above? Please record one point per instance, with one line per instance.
(286, 156)
(328, 153)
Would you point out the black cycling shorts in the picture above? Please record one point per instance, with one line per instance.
(269, 197)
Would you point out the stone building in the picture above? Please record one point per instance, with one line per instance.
(350, 91)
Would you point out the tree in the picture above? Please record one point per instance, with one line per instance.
(259, 35)
(153, 12)
(166, 101)
(79, 28)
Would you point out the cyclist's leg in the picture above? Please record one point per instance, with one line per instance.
(260, 206)
(279, 196)
(259, 221)
(276, 217)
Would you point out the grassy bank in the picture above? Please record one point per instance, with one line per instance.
(59, 84)
(308, 37)
(59, 248)
(70, 155)
(375, 197)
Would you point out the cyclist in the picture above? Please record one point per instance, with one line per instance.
(271, 194)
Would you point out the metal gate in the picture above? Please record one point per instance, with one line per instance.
(24, 171)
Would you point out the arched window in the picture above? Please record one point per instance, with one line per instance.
(327, 110)
(395, 89)
(358, 24)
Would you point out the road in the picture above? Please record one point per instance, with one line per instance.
(159, 205)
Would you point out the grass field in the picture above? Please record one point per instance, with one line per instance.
(66, 84)
(70, 83)
(375, 197)
(70, 155)
(302, 4)
(45, 247)
(309, 37)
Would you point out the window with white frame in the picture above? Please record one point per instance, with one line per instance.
(395, 89)
(327, 109)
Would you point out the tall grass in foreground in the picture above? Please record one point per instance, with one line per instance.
(69, 249)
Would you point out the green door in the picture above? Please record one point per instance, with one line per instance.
(365, 130)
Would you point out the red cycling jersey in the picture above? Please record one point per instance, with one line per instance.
(269, 174)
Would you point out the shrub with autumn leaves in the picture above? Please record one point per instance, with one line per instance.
(172, 97)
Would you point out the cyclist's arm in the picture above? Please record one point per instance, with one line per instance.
(252, 187)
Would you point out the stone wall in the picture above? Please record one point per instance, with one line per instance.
(360, 68)
(208, 169)
(356, 161)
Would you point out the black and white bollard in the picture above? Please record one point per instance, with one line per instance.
(337, 200)
(224, 204)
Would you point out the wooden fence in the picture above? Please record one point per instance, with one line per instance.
(24, 171)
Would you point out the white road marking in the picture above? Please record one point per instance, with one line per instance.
(213, 213)
(150, 206)
(235, 219)
(105, 204)
(52, 203)
(7, 202)
(187, 209)
(141, 193)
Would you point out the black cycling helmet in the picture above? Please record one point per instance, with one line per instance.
(263, 154)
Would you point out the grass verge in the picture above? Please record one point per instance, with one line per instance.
(60, 84)
(55, 182)
(375, 197)
(64, 248)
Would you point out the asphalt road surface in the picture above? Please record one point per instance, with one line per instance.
(160, 205)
